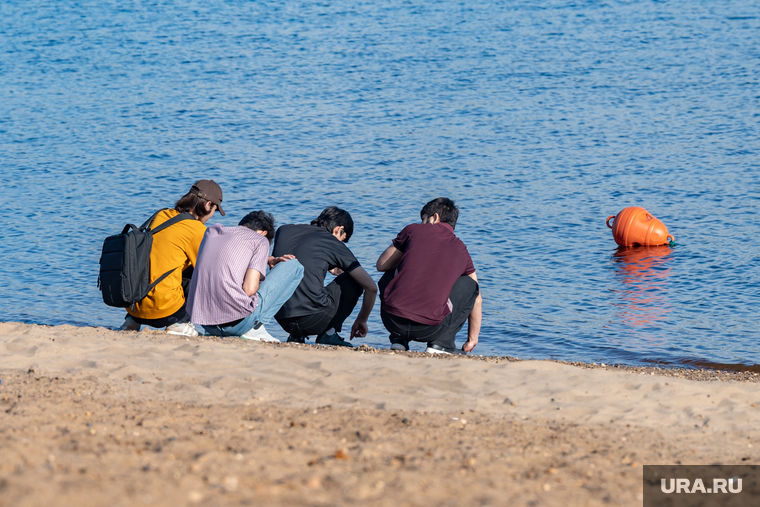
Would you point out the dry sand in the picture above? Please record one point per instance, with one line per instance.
(92, 416)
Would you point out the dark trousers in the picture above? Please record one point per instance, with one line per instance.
(345, 291)
(462, 296)
(180, 315)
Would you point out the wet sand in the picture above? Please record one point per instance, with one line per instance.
(93, 416)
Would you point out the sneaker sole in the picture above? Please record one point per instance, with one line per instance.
(265, 340)
(435, 351)
(399, 347)
(175, 333)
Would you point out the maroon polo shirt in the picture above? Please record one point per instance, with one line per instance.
(433, 259)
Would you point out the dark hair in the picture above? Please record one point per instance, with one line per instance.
(333, 217)
(446, 209)
(191, 203)
(259, 221)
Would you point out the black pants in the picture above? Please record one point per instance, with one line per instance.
(462, 296)
(180, 315)
(345, 291)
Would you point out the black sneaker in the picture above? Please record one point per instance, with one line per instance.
(296, 339)
(398, 343)
(333, 339)
(437, 349)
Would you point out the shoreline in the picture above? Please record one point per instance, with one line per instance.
(702, 371)
(96, 416)
(698, 374)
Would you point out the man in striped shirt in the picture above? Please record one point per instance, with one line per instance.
(231, 293)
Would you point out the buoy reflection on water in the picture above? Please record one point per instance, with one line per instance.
(643, 305)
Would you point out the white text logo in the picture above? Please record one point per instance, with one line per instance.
(734, 485)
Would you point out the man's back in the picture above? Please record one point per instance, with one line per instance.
(433, 258)
(318, 251)
(174, 247)
(216, 291)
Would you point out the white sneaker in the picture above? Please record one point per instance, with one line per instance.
(130, 325)
(185, 329)
(435, 349)
(259, 335)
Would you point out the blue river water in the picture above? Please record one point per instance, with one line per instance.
(540, 119)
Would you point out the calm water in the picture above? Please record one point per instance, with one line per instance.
(539, 118)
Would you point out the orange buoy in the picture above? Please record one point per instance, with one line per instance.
(635, 226)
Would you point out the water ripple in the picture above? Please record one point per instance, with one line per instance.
(540, 120)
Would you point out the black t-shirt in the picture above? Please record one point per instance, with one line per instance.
(318, 251)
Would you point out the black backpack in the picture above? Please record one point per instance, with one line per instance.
(125, 263)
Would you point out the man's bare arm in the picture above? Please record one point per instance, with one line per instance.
(474, 321)
(251, 281)
(368, 301)
(389, 259)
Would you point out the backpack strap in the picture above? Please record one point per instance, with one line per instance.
(144, 227)
(172, 221)
(158, 280)
(168, 223)
(159, 228)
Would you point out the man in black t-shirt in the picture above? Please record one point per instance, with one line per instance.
(430, 289)
(314, 309)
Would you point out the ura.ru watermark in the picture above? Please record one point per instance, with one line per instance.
(681, 485)
(701, 485)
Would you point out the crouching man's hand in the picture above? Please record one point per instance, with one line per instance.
(469, 345)
(359, 329)
(273, 261)
(473, 321)
(368, 301)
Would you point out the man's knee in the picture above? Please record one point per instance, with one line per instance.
(466, 285)
(294, 266)
(384, 281)
(290, 268)
(464, 295)
(349, 287)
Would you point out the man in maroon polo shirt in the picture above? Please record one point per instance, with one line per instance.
(429, 288)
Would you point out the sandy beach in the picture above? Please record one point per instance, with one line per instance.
(92, 416)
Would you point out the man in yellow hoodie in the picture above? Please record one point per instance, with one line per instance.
(175, 248)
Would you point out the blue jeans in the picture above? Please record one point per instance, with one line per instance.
(274, 291)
